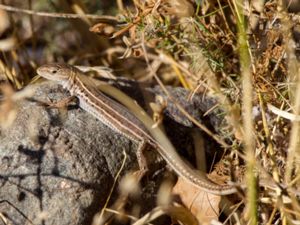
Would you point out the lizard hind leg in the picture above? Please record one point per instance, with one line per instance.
(143, 165)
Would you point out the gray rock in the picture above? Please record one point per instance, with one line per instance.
(54, 166)
(58, 166)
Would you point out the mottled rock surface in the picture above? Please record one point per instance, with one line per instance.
(58, 166)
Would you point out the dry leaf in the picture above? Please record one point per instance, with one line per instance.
(204, 206)
(103, 28)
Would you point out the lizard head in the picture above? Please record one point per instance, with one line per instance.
(56, 71)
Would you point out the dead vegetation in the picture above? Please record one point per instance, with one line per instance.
(243, 53)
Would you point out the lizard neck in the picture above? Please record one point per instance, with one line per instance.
(72, 85)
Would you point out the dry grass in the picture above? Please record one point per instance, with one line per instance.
(245, 54)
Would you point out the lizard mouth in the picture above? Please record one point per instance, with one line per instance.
(48, 73)
(42, 71)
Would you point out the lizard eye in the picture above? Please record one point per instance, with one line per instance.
(54, 71)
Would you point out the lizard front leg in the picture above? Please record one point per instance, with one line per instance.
(61, 103)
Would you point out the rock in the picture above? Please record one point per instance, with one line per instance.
(58, 166)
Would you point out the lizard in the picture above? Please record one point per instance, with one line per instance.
(117, 117)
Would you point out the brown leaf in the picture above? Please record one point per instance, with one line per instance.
(103, 28)
(204, 206)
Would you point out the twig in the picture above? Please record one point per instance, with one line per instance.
(103, 18)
